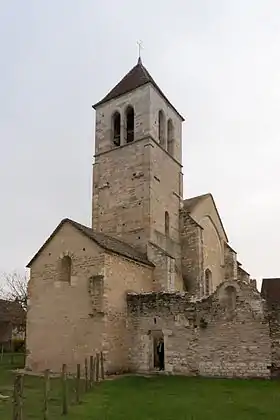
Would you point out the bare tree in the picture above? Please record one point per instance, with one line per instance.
(13, 287)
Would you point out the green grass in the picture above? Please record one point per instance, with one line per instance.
(33, 394)
(156, 398)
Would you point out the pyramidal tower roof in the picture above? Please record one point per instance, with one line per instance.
(138, 76)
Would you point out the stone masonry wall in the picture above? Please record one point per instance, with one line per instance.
(121, 276)
(225, 335)
(61, 325)
(123, 212)
(192, 253)
(158, 103)
(150, 177)
(231, 266)
(164, 197)
(212, 252)
(273, 315)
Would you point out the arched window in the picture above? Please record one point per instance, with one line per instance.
(230, 298)
(170, 137)
(166, 223)
(129, 124)
(161, 127)
(66, 269)
(208, 282)
(117, 128)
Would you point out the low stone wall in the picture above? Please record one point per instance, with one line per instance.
(273, 311)
(225, 335)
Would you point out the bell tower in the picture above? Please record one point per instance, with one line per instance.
(137, 178)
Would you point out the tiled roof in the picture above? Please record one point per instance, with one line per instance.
(11, 312)
(105, 241)
(138, 76)
(271, 290)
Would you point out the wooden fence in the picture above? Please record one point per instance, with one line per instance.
(93, 370)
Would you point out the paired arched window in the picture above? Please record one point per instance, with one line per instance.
(161, 127)
(65, 269)
(166, 223)
(129, 115)
(129, 126)
(170, 137)
(117, 128)
(208, 282)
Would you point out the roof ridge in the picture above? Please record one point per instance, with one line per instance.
(107, 242)
(105, 235)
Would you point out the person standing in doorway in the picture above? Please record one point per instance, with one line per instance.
(160, 352)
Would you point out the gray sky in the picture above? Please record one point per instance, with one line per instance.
(218, 61)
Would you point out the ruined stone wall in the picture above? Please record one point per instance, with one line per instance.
(225, 335)
(231, 266)
(61, 324)
(192, 253)
(273, 316)
(242, 275)
(121, 275)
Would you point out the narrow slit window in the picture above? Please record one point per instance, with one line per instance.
(161, 127)
(170, 137)
(117, 129)
(129, 124)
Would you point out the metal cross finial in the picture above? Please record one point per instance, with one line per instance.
(140, 46)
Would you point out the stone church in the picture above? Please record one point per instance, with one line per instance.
(153, 265)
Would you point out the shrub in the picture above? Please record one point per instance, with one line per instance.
(18, 345)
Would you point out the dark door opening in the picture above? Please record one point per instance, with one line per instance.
(158, 350)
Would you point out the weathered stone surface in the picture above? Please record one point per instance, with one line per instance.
(205, 337)
(85, 296)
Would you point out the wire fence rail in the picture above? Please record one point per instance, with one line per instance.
(69, 387)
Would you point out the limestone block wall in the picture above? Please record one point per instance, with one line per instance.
(225, 335)
(192, 254)
(139, 99)
(212, 252)
(164, 193)
(273, 315)
(120, 276)
(61, 324)
(123, 212)
(231, 265)
(242, 275)
(157, 103)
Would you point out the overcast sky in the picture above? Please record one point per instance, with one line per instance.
(218, 61)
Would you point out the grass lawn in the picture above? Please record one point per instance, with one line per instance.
(156, 398)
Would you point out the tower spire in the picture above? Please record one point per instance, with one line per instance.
(140, 46)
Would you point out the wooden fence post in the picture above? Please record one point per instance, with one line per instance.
(91, 371)
(97, 367)
(86, 374)
(78, 383)
(17, 401)
(64, 390)
(12, 351)
(102, 366)
(46, 393)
